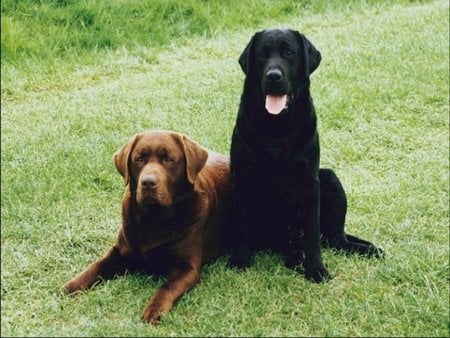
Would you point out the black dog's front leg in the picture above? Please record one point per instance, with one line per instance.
(314, 267)
(244, 217)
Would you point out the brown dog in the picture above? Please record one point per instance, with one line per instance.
(174, 216)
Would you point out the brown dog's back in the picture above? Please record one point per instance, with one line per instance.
(214, 179)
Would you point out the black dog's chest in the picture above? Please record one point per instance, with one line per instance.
(280, 153)
(282, 184)
(280, 201)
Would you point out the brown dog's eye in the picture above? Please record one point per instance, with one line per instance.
(140, 158)
(167, 159)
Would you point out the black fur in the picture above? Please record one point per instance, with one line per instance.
(283, 201)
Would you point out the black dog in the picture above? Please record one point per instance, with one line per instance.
(283, 201)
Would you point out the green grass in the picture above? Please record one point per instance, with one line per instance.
(46, 29)
(381, 94)
(45, 41)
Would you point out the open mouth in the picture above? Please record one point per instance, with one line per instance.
(276, 103)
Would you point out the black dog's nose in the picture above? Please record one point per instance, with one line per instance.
(149, 181)
(274, 75)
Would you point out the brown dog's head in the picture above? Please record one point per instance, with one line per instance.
(160, 166)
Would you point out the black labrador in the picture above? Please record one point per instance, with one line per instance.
(282, 200)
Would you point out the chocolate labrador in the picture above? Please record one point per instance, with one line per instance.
(282, 200)
(174, 216)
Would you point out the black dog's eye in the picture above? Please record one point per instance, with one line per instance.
(262, 54)
(289, 52)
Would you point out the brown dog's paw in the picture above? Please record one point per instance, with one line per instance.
(70, 288)
(152, 314)
(73, 287)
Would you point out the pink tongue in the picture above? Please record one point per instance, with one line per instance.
(275, 104)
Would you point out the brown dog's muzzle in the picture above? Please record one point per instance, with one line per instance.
(149, 181)
(153, 187)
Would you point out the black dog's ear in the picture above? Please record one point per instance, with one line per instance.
(312, 55)
(246, 54)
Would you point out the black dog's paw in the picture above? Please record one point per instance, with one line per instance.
(241, 258)
(317, 273)
(294, 259)
(241, 262)
(375, 252)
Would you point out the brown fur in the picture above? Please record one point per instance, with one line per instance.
(174, 216)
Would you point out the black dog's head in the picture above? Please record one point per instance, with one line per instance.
(279, 61)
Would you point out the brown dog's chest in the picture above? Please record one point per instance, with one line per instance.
(154, 260)
(142, 239)
(146, 228)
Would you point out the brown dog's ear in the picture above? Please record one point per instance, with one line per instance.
(196, 157)
(312, 55)
(244, 59)
(122, 158)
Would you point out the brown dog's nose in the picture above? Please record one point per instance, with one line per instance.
(149, 181)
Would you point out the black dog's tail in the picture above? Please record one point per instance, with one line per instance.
(333, 210)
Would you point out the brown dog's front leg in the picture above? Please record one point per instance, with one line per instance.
(181, 279)
(110, 265)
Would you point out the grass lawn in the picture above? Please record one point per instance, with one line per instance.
(381, 93)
